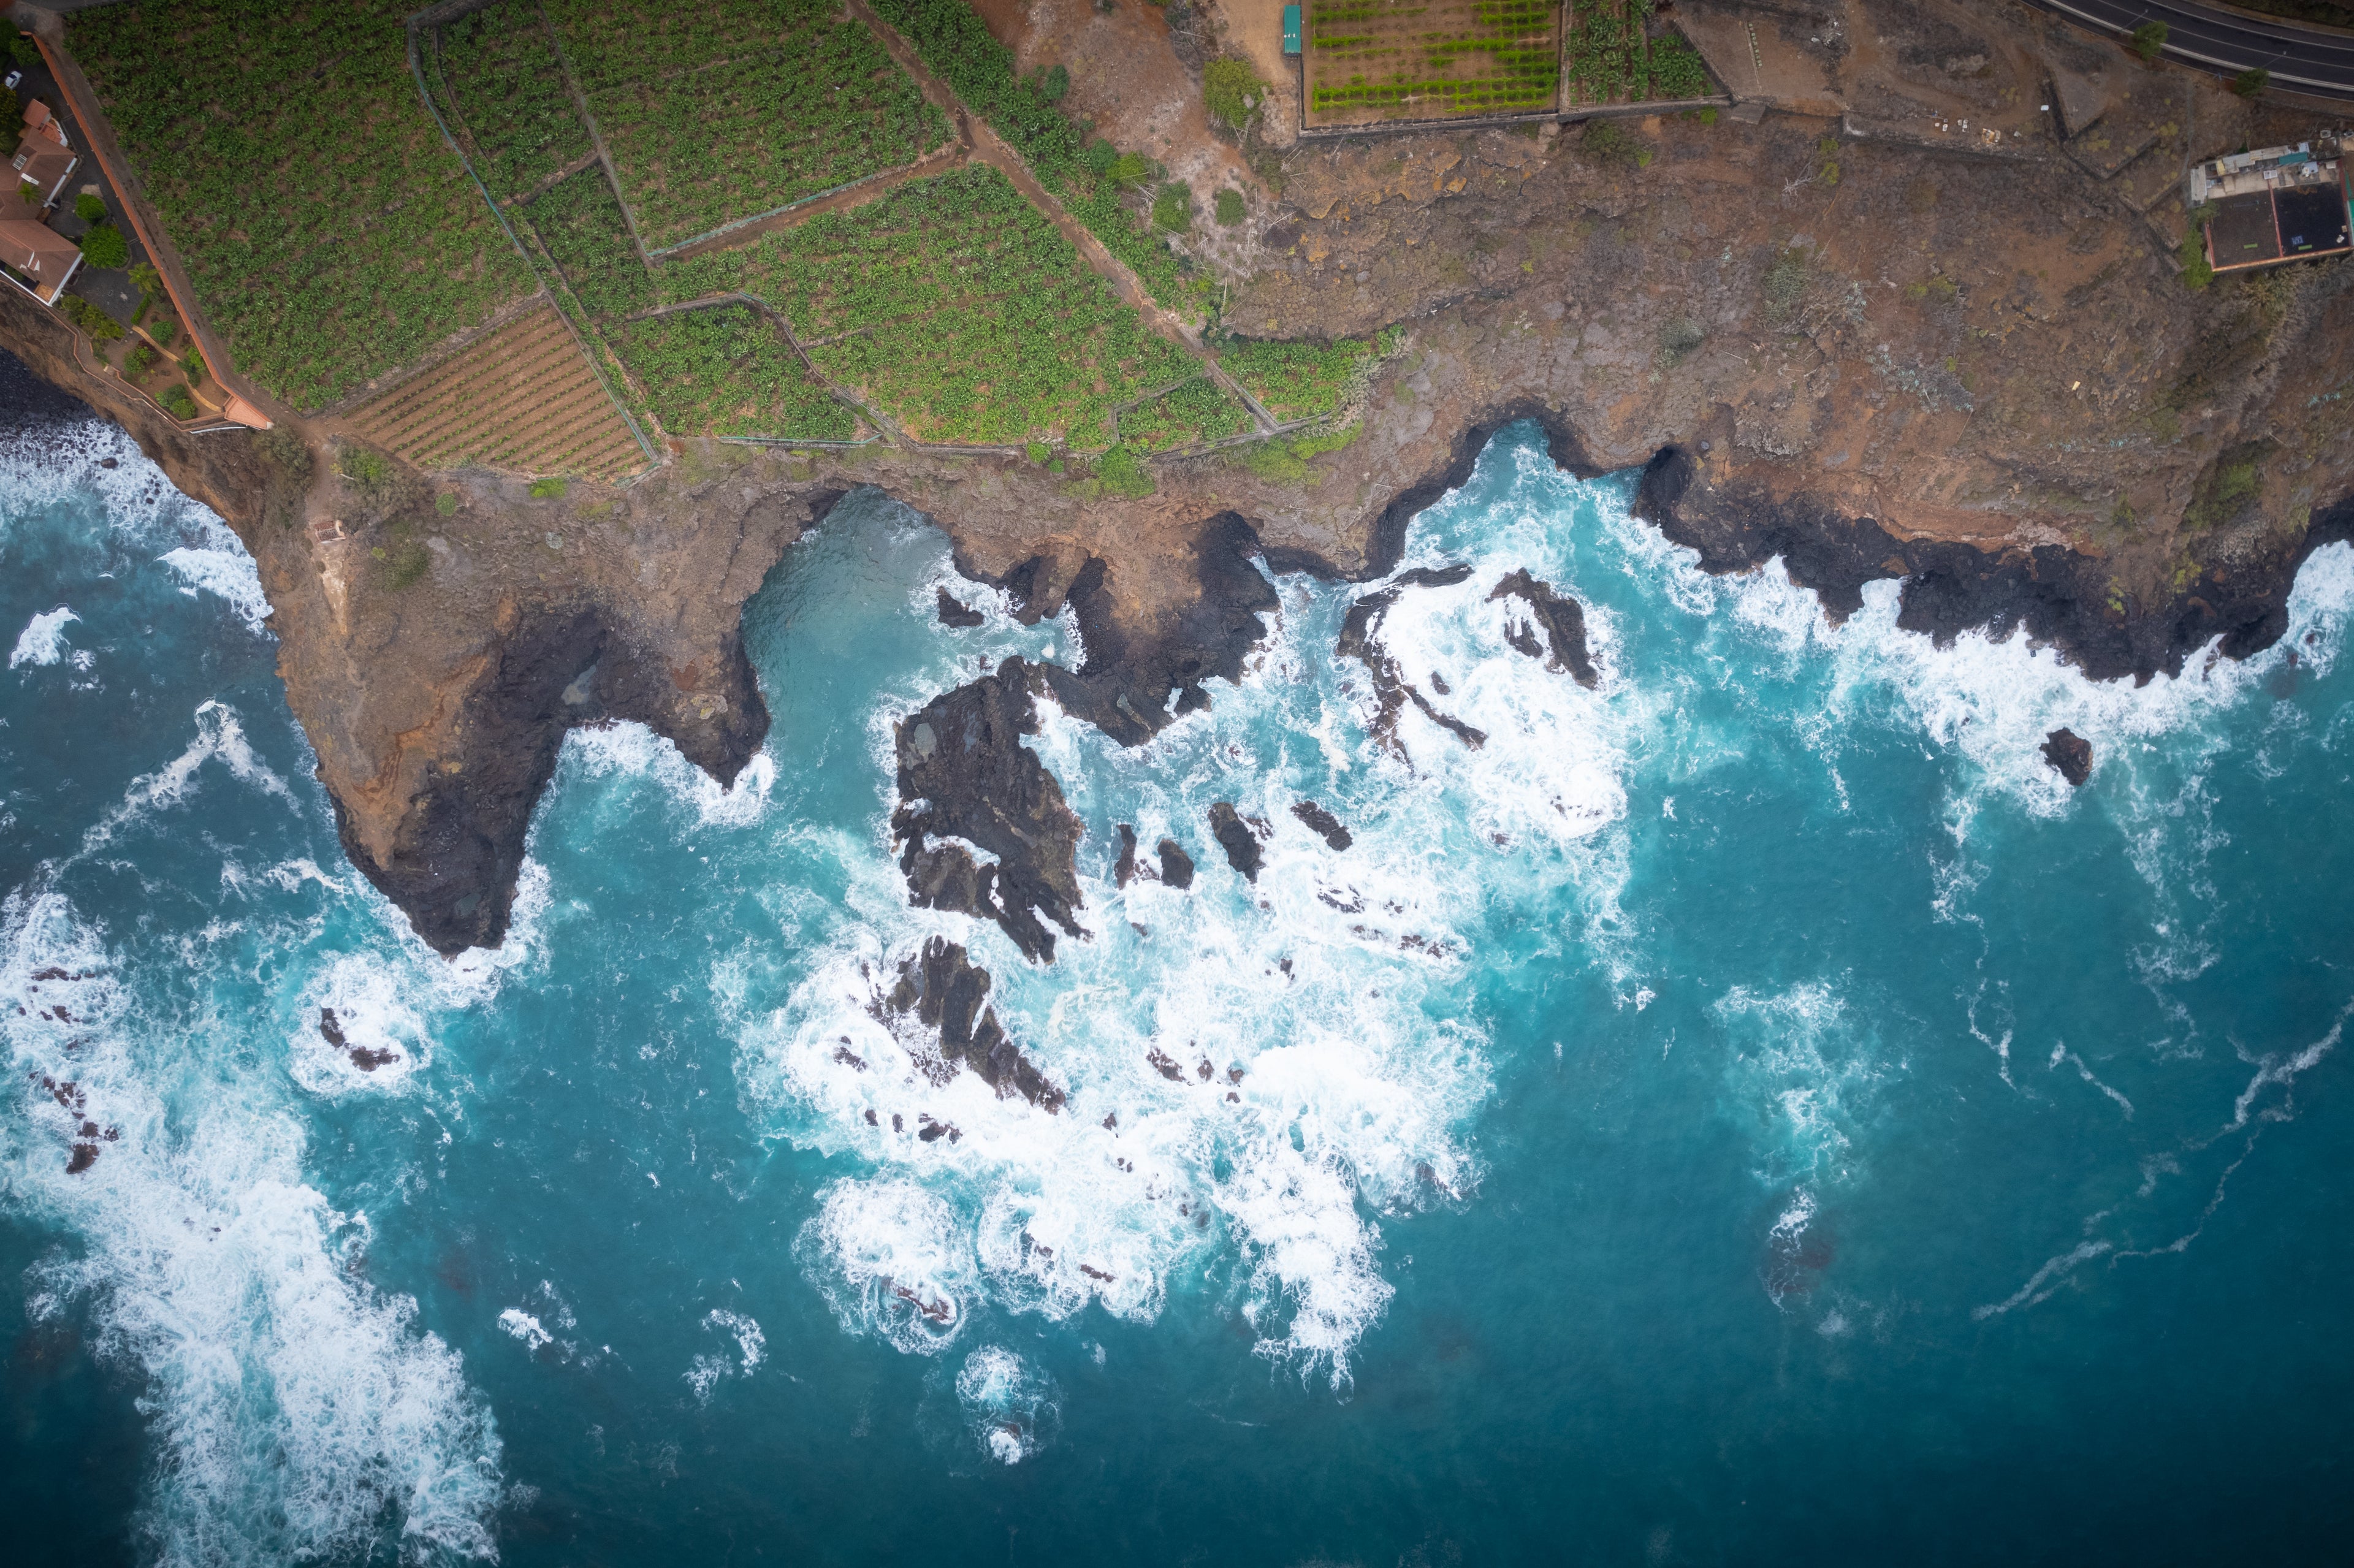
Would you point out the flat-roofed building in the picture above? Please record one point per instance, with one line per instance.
(37, 258)
(2282, 204)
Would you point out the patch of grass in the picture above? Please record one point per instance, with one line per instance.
(2197, 271)
(500, 64)
(1123, 473)
(446, 504)
(101, 327)
(1282, 462)
(369, 470)
(405, 560)
(727, 371)
(1173, 207)
(1786, 285)
(2227, 488)
(1678, 340)
(1229, 207)
(1607, 144)
(546, 489)
(330, 231)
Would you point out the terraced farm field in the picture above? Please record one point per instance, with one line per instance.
(1197, 411)
(727, 371)
(1300, 380)
(955, 308)
(1612, 58)
(522, 399)
(1374, 60)
(331, 232)
(512, 105)
(715, 111)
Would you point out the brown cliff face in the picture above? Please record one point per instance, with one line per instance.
(2037, 440)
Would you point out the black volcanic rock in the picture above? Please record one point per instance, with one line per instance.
(1324, 823)
(1361, 641)
(1235, 836)
(1123, 871)
(954, 612)
(1563, 618)
(1176, 865)
(946, 993)
(2070, 754)
(965, 774)
(1124, 686)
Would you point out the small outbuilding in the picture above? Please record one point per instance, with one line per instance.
(44, 166)
(1291, 29)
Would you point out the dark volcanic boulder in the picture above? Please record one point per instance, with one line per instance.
(1361, 641)
(1235, 836)
(1324, 823)
(949, 993)
(965, 774)
(1123, 871)
(1130, 673)
(953, 612)
(1176, 865)
(2070, 754)
(1563, 618)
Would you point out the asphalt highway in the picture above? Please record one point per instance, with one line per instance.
(2301, 60)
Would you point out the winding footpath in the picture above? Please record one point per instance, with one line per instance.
(2302, 59)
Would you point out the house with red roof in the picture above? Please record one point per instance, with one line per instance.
(43, 160)
(37, 258)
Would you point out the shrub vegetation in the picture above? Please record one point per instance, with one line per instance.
(1232, 92)
(330, 231)
(1303, 380)
(580, 225)
(88, 207)
(105, 248)
(1197, 411)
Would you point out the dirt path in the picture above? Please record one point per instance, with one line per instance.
(991, 149)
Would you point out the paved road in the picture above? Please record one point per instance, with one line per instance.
(2301, 58)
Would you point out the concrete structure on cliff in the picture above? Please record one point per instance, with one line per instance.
(2282, 204)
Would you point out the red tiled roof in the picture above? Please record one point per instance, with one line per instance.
(36, 249)
(42, 165)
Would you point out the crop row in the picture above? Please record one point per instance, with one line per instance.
(717, 109)
(954, 304)
(1197, 411)
(1301, 380)
(522, 399)
(510, 93)
(727, 371)
(1612, 58)
(1078, 168)
(329, 229)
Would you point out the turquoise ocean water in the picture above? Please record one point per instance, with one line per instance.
(1749, 1112)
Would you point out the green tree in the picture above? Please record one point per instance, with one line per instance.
(177, 401)
(2147, 40)
(2252, 82)
(1230, 207)
(21, 49)
(105, 246)
(89, 207)
(146, 280)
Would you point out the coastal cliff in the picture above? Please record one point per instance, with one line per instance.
(1994, 391)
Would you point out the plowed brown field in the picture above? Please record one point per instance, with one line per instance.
(523, 399)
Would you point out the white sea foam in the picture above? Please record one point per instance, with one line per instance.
(43, 641)
(298, 1413)
(632, 749)
(1811, 1069)
(225, 569)
(219, 738)
(1010, 1407)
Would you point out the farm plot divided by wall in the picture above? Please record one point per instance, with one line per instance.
(1369, 61)
(715, 111)
(1196, 412)
(330, 231)
(953, 307)
(513, 106)
(727, 371)
(1615, 54)
(522, 399)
